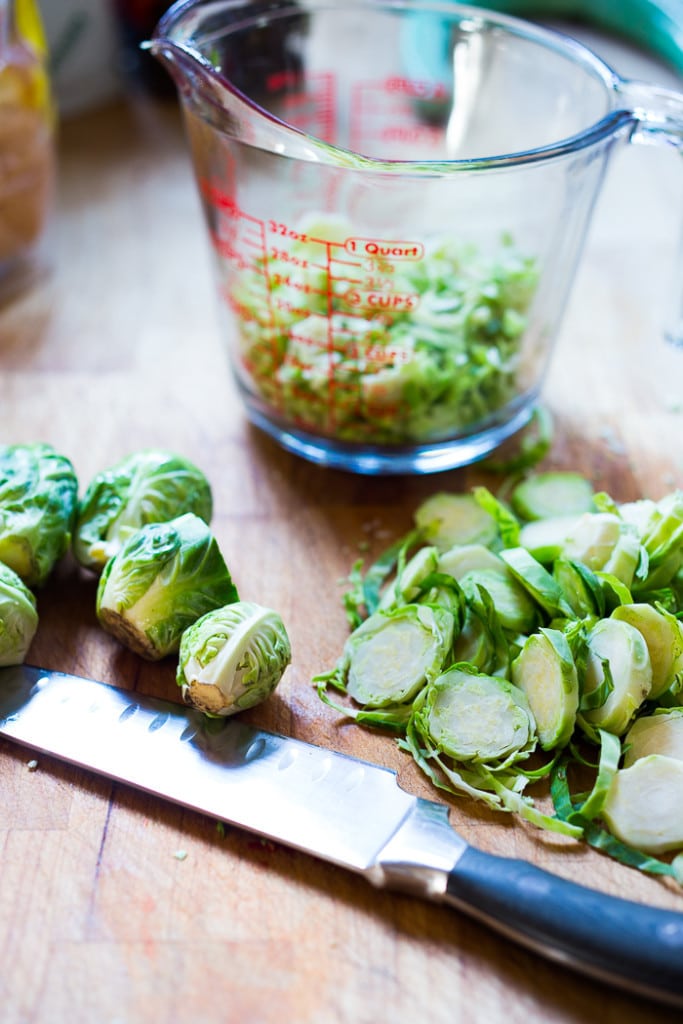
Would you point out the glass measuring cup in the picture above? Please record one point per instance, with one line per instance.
(397, 194)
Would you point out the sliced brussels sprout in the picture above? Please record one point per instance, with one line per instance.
(18, 617)
(580, 586)
(623, 560)
(164, 578)
(546, 673)
(472, 643)
(38, 496)
(232, 658)
(638, 513)
(450, 519)
(663, 634)
(481, 641)
(593, 539)
(663, 534)
(393, 654)
(616, 654)
(150, 486)
(537, 581)
(514, 608)
(405, 588)
(475, 718)
(545, 538)
(465, 558)
(558, 493)
(643, 807)
(659, 733)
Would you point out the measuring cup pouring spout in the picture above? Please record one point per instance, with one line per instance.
(397, 194)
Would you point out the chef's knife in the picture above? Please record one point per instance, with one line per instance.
(346, 811)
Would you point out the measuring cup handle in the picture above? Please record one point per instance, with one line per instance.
(657, 112)
(658, 119)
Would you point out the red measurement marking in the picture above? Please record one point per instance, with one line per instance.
(414, 87)
(286, 257)
(251, 241)
(284, 230)
(219, 199)
(290, 307)
(285, 281)
(346, 263)
(412, 133)
(314, 109)
(278, 80)
(385, 249)
(394, 301)
(303, 339)
(377, 105)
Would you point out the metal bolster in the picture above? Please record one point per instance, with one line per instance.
(421, 853)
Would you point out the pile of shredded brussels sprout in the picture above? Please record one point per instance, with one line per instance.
(409, 351)
(537, 639)
(143, 527)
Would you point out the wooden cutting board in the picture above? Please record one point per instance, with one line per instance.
(118, 908)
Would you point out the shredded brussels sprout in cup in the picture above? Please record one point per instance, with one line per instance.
(425, 346)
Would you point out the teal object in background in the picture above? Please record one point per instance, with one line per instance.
(654, 25)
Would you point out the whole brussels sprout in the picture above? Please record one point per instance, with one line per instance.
(150, 486)
(38, 498)
(18, 617)
(164, 578)
(233, 658)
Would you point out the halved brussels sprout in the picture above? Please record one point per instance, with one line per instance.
(18, 617)
(38, 496)
(150, 486)
(233, 658)
(164, 578)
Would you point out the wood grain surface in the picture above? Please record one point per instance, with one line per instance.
(116, 346)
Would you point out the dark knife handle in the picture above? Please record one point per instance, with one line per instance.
(629, 944)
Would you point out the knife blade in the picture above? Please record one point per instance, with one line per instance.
(349, 812)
